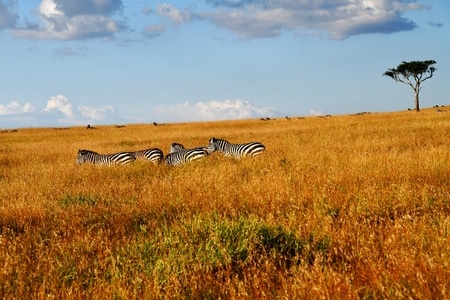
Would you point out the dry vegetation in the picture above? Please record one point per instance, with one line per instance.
(338, 207)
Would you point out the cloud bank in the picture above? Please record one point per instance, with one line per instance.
(334, 19)
(59, 111)
(213, 111)
(248, 19)
(16, 107)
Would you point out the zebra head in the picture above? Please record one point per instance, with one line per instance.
(211, 146)
(83, 156)
(216, 145)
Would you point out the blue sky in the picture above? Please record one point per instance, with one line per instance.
(78, 62)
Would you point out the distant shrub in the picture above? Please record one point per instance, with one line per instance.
(69, 200)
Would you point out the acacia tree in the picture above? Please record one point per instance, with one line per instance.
(413, 73)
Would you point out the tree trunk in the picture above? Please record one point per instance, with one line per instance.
(416, 96)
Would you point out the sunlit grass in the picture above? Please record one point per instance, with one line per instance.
(338, 207)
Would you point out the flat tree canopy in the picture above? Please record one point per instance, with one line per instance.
(413, 73)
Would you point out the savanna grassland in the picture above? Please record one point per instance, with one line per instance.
(341, 207)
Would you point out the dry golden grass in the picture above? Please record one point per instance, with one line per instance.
(339, 207)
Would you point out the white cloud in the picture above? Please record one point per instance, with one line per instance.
(168, 12)
(316, 113)
(81, 115)
(96, 113)
(175, 15)
(61, 104)
(213, 110)
(15, 107)
(58, 111)
(69, 20)
(335, 19)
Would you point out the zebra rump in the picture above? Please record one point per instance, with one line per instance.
(182, 156)
(153, 155)
(119, 158)
(235, 150)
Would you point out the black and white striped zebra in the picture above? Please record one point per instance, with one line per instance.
(235, 150)
(174, 147)
(178, 155)
(154, 155)
(120, 158)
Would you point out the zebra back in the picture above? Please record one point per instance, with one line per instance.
(184, 155)
(235, 150)
(174, 147)
(119, 158)
(153, 155)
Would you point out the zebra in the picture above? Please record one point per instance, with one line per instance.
(120, 158)
(235, 150)
(153, 155)
(177, 146)
(178, 155)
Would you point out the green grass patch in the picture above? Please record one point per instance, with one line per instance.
(214, 245)
(69, 200)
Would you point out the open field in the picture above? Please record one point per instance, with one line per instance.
(337, 207)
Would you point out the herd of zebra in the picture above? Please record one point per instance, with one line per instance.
(178, 154)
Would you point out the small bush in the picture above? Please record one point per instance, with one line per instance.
(69, 200)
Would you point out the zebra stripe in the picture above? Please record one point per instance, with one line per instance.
(177, 147)
(120, 158)
(153, 155)
(182, 156)
(235, 150)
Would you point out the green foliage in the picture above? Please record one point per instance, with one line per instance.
(412, 68)
(212, 245)
(69, 200)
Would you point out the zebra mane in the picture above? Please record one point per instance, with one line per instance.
(174, 147)
(177, 144)
(213, 140)
(84, 151)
